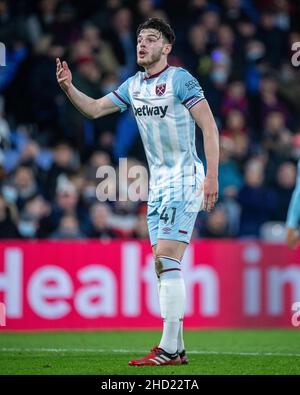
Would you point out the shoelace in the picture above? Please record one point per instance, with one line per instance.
(155, 350)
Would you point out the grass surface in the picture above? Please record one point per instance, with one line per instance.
(107, 353)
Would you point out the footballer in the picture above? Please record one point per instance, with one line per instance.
(166, 101)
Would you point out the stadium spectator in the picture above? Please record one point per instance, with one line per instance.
(272, 37)
(210, 19)
(68, 228)
(8, 220)
(195, 54)
(123, 41)
(235, 98)
(4, 129)
(45, 102)
(25, 185)
(65, 162)
(258, 201)
(40, 22)
(270, 101)
(140, 229)
(216, 225)
(33, 214)
(87, 77)
(230, 178)
(277, 139)
(235, 124)
(285, 184)
(100, 214)
(67, 202)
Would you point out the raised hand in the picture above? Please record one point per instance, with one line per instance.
(63, 75)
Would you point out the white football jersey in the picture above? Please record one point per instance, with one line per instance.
(161, 105)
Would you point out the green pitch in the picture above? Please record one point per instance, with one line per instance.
(107, 353)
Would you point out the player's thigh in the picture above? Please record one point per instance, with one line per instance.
(172, 248)
(152, 222)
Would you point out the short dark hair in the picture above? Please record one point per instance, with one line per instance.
(158, 24)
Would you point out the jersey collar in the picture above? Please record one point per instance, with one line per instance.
(156, 74)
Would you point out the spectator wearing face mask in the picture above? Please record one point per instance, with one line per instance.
(25, 185)
(34, 213)
(216, 83)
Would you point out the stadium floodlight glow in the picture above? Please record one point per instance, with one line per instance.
(2, 54)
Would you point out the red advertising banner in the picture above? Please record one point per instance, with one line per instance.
(102, 285)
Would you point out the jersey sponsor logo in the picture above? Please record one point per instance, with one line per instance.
(150, 111)
(160, 89)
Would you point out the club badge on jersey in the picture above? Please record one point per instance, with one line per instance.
(160, 89)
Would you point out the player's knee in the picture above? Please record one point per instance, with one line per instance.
(158, 266)
(167, 267)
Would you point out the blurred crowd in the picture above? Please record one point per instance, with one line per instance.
(239, 50)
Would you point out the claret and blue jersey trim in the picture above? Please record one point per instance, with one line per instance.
(146, 77)
(190, 102)
(161, 104)
(120, 98)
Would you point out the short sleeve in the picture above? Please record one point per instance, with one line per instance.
(187, 88)
(121, 96)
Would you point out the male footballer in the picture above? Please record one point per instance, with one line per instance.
(167, 102)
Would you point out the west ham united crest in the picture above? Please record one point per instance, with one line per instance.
(160, 89)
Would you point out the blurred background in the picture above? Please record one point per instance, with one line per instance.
(239, 50)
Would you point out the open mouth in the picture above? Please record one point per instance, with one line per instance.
(142, 53)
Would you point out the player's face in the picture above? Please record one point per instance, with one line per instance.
(150, 47)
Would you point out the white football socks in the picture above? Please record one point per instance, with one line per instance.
(172, 300)
(180, 342)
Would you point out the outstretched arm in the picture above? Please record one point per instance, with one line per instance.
(203, 117)
(91, 108)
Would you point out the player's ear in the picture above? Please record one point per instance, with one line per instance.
(167, 48)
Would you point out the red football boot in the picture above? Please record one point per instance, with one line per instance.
(157, 357)
(183, 357)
